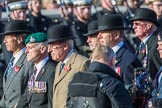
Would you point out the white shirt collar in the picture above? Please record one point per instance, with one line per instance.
(17, 55)
(69, 54)
(40, 65)
(145, 40)
(118, 46)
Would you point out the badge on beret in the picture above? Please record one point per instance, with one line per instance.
(32, 39)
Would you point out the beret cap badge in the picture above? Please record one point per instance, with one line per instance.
(32, 39)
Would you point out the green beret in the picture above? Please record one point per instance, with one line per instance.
(36, 38)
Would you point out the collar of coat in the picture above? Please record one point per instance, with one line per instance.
(103, 68)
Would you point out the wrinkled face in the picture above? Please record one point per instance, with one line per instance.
(11, 42)
(83, 12)
(106, 38)
(140, 29)
(19, 14)
(33, 52)
(159, 48)
(58, 50)
(93, 42)
(36, 6)
(157, 7)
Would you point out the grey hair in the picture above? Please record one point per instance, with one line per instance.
(43, 43)
(103, 52)
(71, 43)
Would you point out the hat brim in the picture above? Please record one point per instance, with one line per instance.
(144, 19)
(18, 31)
(58, 40)
(91, 33)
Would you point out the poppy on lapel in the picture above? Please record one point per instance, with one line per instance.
(143, 51)
(16, 68)
(118, 69)
(67, 68)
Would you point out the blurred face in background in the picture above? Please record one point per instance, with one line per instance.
(132, 4)
(66, 11)
(83, 13)
(36, 6)
(19, 14)
(93, 41)
(107, 4)
(157, 7)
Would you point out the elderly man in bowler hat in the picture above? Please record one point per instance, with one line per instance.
(111, 33)
(39, 91)
(92, 33)
(61, 48)
(145, 28)
(16, 75)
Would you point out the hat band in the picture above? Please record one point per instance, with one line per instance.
(108, 27)
(17, 5)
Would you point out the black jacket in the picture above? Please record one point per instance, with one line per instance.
(100, 87)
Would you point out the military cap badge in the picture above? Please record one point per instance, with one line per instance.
(32, 39)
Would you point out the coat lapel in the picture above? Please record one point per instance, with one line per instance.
(40, 74)
(119, 54)
(59, 76)
(19, 64)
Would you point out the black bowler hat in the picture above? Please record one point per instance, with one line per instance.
(146, 15)
(16, 26)
(59, 33)
(92, 28)
(110, 22)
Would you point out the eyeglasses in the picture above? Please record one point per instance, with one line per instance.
(138, 23)
(54, 47)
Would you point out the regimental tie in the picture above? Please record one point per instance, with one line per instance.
(10, 67)
(33, 77)
(61, 67)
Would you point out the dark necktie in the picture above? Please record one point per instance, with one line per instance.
(141, 51)
(61, 67)
(33, 77)
(142, 47)
(10, 67)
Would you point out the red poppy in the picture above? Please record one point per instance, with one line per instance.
(143, 51)
(118, 69)
(66, 68)
(17, 68)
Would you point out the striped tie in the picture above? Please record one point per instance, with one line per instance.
(10, 67)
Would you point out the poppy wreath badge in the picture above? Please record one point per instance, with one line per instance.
(16, 68)
(67, 68)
